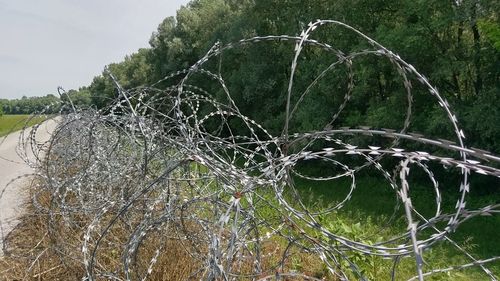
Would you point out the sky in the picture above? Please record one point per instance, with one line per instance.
(51, 43)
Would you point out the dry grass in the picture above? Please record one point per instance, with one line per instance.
(33, 252)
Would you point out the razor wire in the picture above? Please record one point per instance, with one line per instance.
(165, 163)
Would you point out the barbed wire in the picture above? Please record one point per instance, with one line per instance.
(167, 163)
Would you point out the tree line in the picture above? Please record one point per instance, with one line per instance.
(456, 44)
(48, 104)
(29, 105)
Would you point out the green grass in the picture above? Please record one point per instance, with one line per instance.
(365, 218)
(12, 123)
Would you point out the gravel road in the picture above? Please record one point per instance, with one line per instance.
(13, 167)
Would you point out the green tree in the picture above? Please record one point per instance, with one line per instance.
(454, 43)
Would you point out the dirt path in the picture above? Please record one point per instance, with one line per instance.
(13, 167)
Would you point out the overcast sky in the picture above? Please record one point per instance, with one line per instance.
(50, 43)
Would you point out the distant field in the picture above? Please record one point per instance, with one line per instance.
(11, 123)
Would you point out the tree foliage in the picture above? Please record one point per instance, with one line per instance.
(29, 105)
(455, 43)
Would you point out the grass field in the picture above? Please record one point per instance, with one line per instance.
(12, 123)
(364, 219)
(373, 201)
